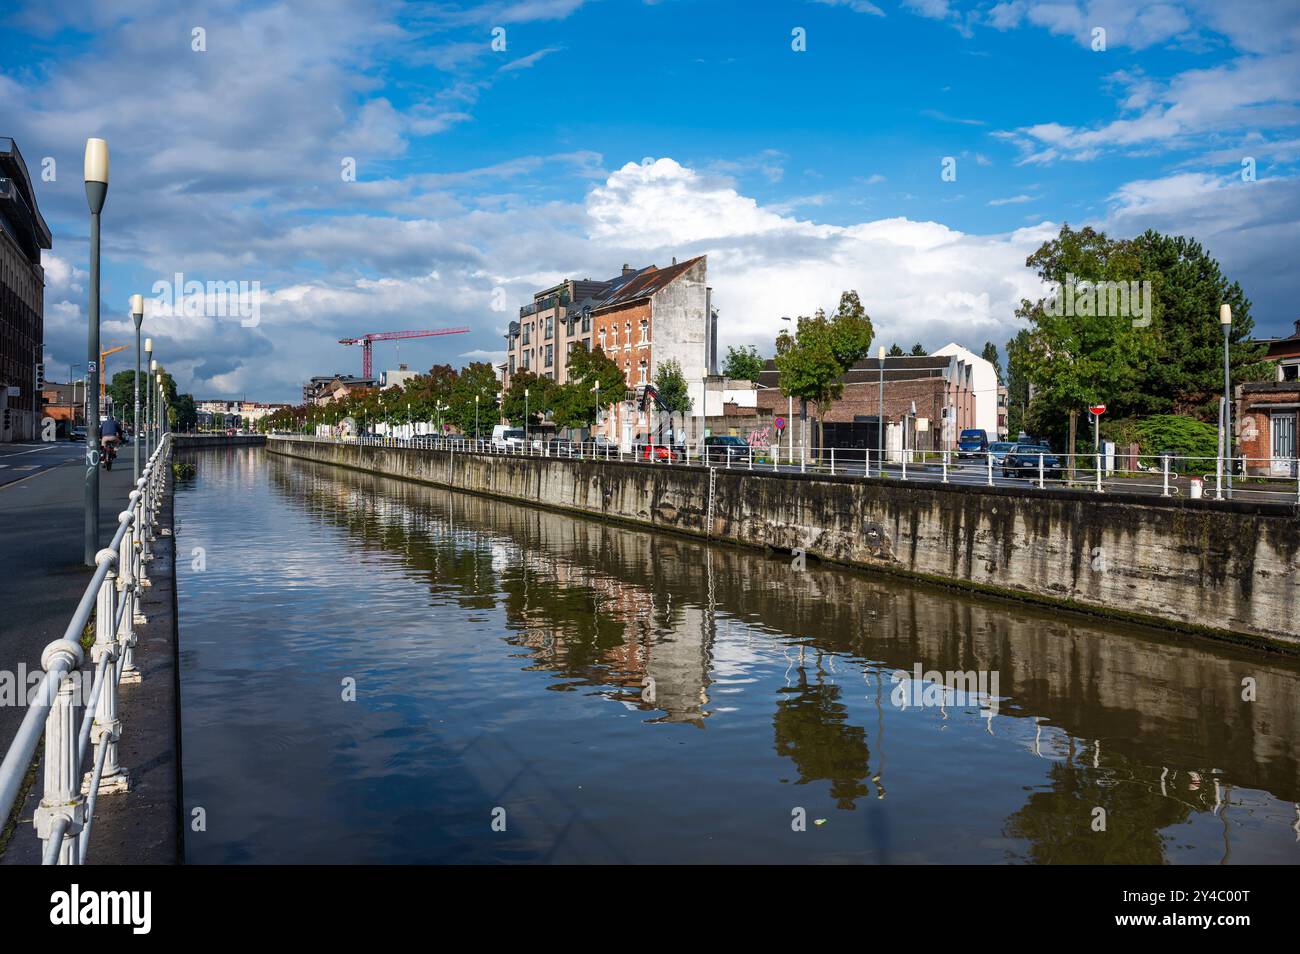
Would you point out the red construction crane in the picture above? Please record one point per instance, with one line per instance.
(367, 360)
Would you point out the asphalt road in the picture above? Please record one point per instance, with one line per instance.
(41, 549)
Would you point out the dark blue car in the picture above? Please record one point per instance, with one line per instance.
(972, 442)
(1023, 461)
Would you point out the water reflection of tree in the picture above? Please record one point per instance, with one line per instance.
(1058, 823)
(813, 732)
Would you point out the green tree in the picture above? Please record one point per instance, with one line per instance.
(812, 362)
(1017, 383)
(541, 397)
(918, 350)
(476, 380)
(121, 388)
(895, 351)
(575, 400)
(743, 364)
(186, 413)
(990, 355)
(673, 393)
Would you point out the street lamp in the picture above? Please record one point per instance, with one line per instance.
(525, 417)
(148, 396)
(476, 417)
(1225, 321)
(96, 177)
(880, 418)
(137, 316)
(155, 397)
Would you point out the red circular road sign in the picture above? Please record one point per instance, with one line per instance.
(1097, 409)
(780, 423)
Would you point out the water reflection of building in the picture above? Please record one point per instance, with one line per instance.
(605, 607)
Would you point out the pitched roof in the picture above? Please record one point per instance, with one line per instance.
(901, 368)
(648, 282)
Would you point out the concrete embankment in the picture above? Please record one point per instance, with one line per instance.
(1230, 570)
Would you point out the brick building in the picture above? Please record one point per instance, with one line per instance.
(23, 234)
(941, 388)
(1285, 353)
(661, 314)
(1266, 426)
(557, 319)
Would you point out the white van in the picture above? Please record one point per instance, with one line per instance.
(507, 438)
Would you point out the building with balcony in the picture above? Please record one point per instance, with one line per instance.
(23, 234)
(554, 322)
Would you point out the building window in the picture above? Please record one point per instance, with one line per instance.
(528, 334)
(645, 331)
(1289, 372)
(643, 372)
(527, 360)
(586, 320)
(550, 327)
(512, 364)
(550, 355)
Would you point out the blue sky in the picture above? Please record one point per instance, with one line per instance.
(622, 131)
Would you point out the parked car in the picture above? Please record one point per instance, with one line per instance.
(654, 452)
(559, 447)
(998, 450)
(507, 438)
(1023, 461)
(724, 448)
(972, 442)
(77, 434)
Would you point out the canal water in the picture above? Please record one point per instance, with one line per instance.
(376, 671)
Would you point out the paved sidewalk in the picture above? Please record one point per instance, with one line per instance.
(42, 576)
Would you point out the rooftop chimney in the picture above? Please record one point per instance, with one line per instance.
(1297, 327)
(628, 270)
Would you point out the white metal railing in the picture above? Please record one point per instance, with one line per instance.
(1275, 479)
(66, 813)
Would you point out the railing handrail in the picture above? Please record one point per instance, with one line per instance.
(1097, 471)
(64, 817)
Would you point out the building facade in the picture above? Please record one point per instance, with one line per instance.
(23, 234)
(558, 319)
(1267, 412)
(928, 401)
(660, 315)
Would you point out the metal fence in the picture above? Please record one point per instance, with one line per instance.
(1268, 479)
(66, 813)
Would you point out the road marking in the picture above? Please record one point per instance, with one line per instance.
(27, 467)
(32, 451)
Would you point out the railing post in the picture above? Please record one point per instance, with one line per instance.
(832, 461)
(988, 460)
(1098, 471)
(126, 579)
(107, 728)
(1164, 468)
(62, 811)
(945, 466)
(1041, 474)
(803, 460)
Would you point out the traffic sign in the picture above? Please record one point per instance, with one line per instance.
(780, 423)
(1097, 410)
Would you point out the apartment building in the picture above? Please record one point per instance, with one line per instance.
(23, 234)
(557, 319)
(659, 315)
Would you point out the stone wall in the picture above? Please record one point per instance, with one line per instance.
(1221, 568)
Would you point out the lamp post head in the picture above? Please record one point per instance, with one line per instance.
(880, 353)
(148, 347)
(1225, 314)
(96, 169)
(153, 366)
(137, 310)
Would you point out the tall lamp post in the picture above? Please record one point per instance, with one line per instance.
(525, 418)
(137, 316)
(96, 177)
(147, 422)
(880, 417)
(475, 418)
(1225, 321)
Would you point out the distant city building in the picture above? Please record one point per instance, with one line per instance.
(396, 379)
(1285, 353)
(65, 404)
(324, 388)
(222, 414)
(22, 297)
